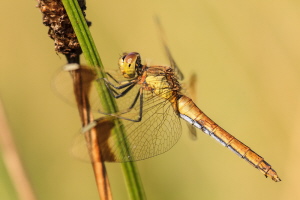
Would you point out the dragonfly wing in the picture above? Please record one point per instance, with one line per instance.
(192, 93)
(63, 86)
(175, 67)
(192, 131)
(84, 143)
(157, 132)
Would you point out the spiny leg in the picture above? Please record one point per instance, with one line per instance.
(117, 115)
(117, 95)
(114, 93)
(139, 95)
(113, 78)
(122, 85)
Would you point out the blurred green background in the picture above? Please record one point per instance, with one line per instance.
(246, 58)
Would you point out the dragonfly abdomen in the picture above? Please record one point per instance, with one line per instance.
(191, 113)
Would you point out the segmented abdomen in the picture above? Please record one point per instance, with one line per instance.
(192, 114)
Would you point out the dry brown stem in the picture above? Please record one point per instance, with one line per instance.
(82, 80)
(12, 160)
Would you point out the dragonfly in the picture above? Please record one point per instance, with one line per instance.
(151, 105)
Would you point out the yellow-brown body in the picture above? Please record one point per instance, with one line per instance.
(162, 82)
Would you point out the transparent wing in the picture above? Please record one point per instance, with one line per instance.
(157, 132)
(83, 144)
(193, 94)
(175, 67)
(62, 85)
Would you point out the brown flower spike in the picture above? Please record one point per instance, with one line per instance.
(60, 28)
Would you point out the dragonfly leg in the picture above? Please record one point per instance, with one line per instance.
(139, 95)
(134, 101)
(117, 95)
(122, 84)
(113, 78)
(114, 93)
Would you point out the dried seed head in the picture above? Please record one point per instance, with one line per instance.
(60, 28)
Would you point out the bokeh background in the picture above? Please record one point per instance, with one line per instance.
(246, 58)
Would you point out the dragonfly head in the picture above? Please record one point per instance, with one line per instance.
(129, 64)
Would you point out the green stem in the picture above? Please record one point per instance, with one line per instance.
(133, 180)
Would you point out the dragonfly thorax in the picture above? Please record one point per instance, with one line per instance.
(130, 64)
(160, 86)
